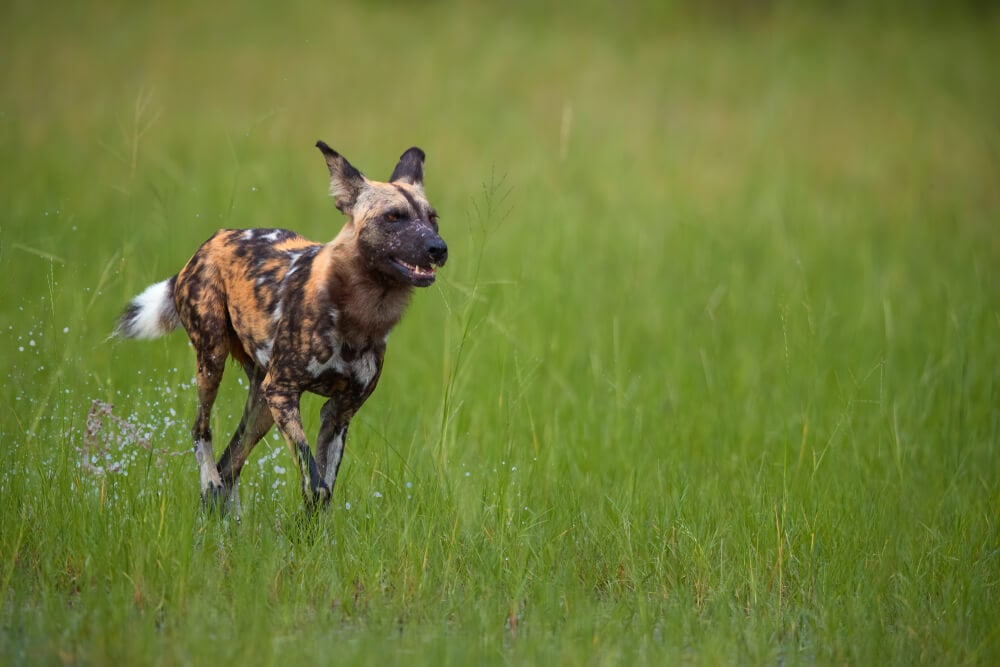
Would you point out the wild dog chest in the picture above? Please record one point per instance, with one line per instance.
(346, 369)
(331, 364)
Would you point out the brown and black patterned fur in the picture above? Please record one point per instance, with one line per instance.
(298, 316)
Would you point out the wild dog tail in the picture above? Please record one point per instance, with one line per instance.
(151, 314)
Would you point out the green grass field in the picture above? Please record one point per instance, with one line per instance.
(712, 375)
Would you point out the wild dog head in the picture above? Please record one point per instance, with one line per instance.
(394, 226)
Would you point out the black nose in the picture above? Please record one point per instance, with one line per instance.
(438, 250)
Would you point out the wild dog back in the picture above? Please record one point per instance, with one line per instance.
(235, 285)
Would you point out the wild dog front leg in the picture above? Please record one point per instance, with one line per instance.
(331, 440)
(285, 409)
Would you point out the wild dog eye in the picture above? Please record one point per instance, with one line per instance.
(432, 217)
(393, 216)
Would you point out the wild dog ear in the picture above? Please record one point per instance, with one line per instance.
(346, 182)
(410, 168)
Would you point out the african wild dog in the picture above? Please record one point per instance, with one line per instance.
(298, 316)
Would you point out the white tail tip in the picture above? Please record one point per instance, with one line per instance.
(151, 314)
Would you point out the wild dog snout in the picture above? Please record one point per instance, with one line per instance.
(437, 250)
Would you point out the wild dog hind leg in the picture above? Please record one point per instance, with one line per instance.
(256, 422)
(211, 364)
(199, 296)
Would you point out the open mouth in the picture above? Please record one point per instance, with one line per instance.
(417, 275)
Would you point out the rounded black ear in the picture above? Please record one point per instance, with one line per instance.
(410, 168)
(346, 182)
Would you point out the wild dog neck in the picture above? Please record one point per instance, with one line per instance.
(369, 304)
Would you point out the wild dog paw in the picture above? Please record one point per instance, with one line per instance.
(213, 499)
(318, 497)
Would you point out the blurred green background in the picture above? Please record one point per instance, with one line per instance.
(711, 374)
